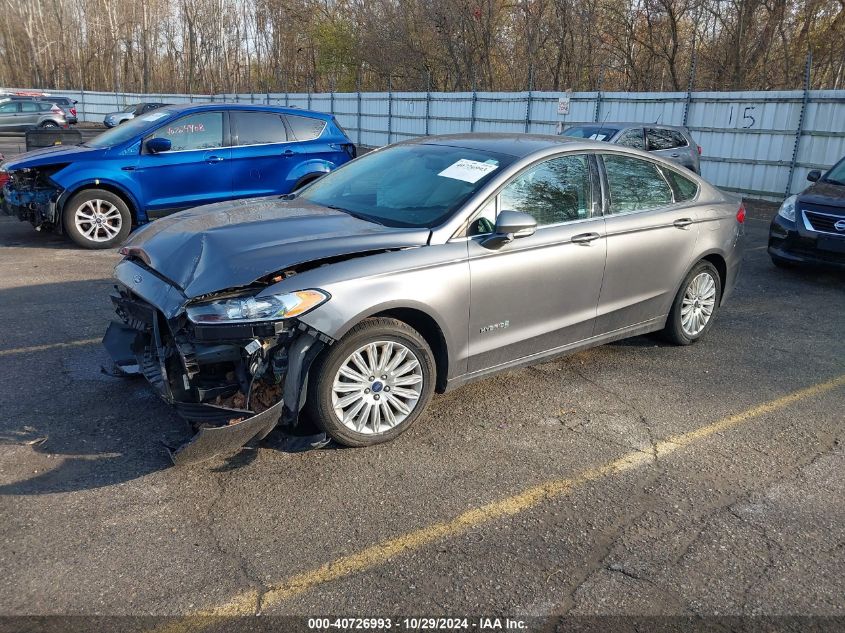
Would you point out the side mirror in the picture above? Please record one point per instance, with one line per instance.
(158, 145)
(814, 175)
(510, 225)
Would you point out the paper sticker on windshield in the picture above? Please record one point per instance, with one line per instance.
(154, 116)
(468, 170)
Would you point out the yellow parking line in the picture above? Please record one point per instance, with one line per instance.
(251, 602)
(41, 348)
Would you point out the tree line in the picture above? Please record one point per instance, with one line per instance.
(220, 46)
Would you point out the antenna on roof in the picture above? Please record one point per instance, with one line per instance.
(598, 133)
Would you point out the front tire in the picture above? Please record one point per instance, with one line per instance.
(695, 305)
(96, 219)
(373, 384)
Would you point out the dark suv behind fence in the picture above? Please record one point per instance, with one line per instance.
(672, 142)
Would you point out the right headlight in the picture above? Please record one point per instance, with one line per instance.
(249, 309)
(787, 209)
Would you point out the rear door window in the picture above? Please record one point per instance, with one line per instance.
(660, 139)
(201, 130)
(635, 184)
(632, 138)
(31, 106)
(305, 128)
(257, 128)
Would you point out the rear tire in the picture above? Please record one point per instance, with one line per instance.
(49, 125)
(695, 305)
(373, 384)
(97, 219)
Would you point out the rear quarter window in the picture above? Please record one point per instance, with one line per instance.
(683, 188)
(305, 128)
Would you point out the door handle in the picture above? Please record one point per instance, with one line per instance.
(675, 155)
(682, 223)
(585, 238)
(214, 159)
(128, 168)
(288, 153)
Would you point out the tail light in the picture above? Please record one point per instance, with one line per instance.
(4, 178)
(699, 149)
(73, 113)
(740, 215)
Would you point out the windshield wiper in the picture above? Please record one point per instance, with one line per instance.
(833, 181)
(354, 214)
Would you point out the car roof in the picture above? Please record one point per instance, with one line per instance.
(201, 107)
(627, 124)
(513, 144)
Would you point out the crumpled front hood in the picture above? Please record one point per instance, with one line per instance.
(232, 244)
(824, 193)
(52, 155)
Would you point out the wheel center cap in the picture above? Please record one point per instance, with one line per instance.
(377, 386)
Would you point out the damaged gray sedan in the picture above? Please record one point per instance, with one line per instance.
(415, 268)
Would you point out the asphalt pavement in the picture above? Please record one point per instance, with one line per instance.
(636, 478)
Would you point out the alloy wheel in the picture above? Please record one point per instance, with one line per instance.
(698, 304)
(98, 220)
(377, 387)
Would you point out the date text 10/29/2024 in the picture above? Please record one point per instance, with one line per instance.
(417, 624)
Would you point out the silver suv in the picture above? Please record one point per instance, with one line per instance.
(18, 114)
(672, 142)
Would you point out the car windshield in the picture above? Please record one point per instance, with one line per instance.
(594, 132)
(407, 185)
(836, 175)
(128, 130)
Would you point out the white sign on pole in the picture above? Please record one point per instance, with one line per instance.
(563, 103)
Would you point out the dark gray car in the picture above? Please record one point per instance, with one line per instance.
(671, 142)
(415, 268)
(129, 112)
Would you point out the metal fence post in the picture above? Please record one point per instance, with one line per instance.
(528, 101)
(800, 130)
(358, 86)
(472, 111)
(691, 84)
(389, 109)
(331, 98)
(427, 101)
(84, 116)
(309, 97)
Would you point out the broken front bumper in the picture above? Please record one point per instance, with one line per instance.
(232, 383)
(38, 205)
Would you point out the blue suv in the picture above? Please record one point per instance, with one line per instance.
(170, 159)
